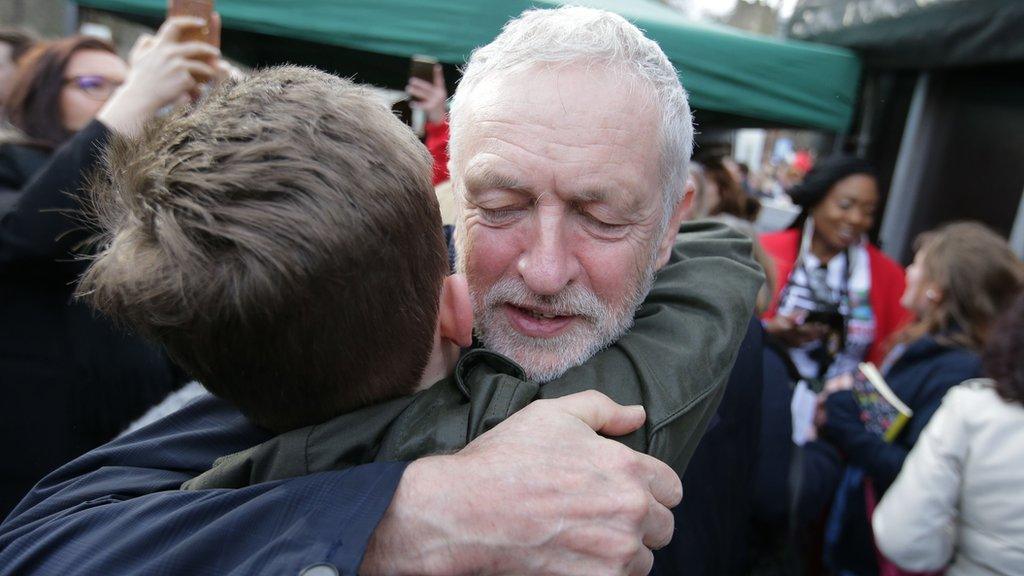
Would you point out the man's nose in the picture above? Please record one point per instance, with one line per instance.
(548, 263)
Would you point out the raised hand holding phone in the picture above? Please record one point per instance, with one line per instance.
(163, 71)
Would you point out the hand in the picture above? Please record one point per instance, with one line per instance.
(792, 333)
(429, 96)
(163, 71)
(142, 45)
(841, 382)
(541, 493)
(820, 415)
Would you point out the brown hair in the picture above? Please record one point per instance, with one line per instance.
(19, 40)
(1003, 359)
(732, 199)
(33, 106)
(282, 241)
(979, 276)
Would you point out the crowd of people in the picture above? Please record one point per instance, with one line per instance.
(251, 323)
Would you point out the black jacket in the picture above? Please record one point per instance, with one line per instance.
(713, 520)
(18, 163)
(69, 379)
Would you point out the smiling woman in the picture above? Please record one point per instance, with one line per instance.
(840, 300)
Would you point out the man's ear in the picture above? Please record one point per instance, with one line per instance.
(455, 313)
(688, 202)
(679, 213)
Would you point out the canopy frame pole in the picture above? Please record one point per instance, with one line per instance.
(1017, 234)
(905, 189)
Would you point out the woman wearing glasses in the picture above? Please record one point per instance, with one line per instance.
(69, 379)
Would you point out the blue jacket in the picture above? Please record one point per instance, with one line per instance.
(920, 377)
(117, 510)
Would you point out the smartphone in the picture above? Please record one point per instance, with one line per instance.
(197, 9)
(831, 318)
(422, 67)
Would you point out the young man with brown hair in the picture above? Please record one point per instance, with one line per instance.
(283, 241)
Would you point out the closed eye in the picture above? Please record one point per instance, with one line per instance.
(501, 216)
(604, 229)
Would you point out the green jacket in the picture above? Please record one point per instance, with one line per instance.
(675, 361)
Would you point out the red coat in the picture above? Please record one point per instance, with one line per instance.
(887, 284)
(437, 144)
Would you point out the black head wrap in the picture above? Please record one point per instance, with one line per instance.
(825, 174)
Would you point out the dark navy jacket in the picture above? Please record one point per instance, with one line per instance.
(117, 510)
(712, 522)
(920, 377)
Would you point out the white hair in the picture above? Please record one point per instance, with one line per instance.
(573, 34)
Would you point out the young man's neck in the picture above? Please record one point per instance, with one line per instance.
(442, 361)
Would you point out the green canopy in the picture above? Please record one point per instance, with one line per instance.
(765, 81)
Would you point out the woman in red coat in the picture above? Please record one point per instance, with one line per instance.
(838, 298)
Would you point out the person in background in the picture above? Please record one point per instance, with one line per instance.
(957, 501)
(14, 43)
(58, 89)
(432, 98)
(717, 195)
(963, 276)
(69, 378)
(743, 172)
(838, 296)
(725, 192)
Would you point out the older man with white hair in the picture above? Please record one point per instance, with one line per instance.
(571, 135)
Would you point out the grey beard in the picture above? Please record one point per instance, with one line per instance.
(544, 359)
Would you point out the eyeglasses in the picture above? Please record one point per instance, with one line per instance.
(94, 86)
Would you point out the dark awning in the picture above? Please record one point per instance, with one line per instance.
(916, 34)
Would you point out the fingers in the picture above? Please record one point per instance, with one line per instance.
(215, 29)
(420, 84)
(658, 526)
(195, 50)
(173, 28)
(226, 70)
(438, 76)
(662, 481)
(600, 412)
(420, 89)
(641, 564)
(200, 70)
(142, 45)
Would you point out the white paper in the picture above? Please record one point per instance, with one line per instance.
(802, 410)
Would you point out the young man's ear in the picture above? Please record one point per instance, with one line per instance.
(455, 316)
(681, 212)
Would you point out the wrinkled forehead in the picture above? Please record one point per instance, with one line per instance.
(581, 125)
(572, 92)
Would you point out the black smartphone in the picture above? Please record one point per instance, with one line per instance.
(831, 318)
(422, 67)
